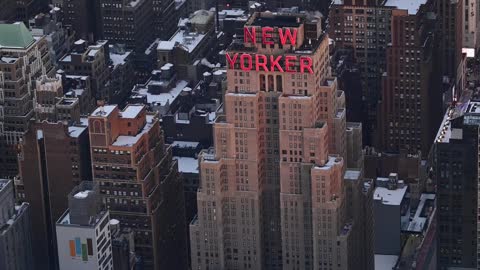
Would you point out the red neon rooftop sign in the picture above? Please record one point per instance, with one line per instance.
(270, 63)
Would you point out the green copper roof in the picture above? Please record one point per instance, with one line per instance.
(15, 36)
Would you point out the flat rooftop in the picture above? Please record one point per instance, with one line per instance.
(390, 196)
(385, 262)
(129, 141)
(275, 21)
(163, 98)
(353, 175)
(187, 164)
(411, 5)
(132, 111)
(103, 111)
(3, 183)
(189, 40)
(421, 218)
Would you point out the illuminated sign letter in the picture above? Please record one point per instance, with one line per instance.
(249, 35)
(242, 62)
(231, 61)
(306, 63)
(274, 63)
(290, 63)
(288, 34)
(262, 64)
(267, 34)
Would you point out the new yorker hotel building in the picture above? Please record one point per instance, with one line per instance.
(274, 175)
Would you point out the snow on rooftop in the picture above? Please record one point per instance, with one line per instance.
(187, 164)
(331, 161)
(119, 59)
(385, 262)
(128, 141)
(418, 222)
(134, 3)
(163, 98)
(411, 5)
(231, 12)
(104, 110)
(80, 42)
(131, 111)
(189, 40)
(166, 45)
(185, 144)
(67, 58)
(74, 132)
(8, 60)
(352, 175)
(390, 197)
(92, 52)
(82, 194)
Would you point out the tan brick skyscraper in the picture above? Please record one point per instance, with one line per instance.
(271, 194)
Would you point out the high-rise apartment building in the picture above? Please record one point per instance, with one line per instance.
(59, 38)
(22, 59)
(407, 98)
(53, 158)
(128, 22)
(15, 231)
(364, 26)
(84, 239)
(450, 29)
(272, 192)
(139, 182)
(455, 173)
(7, 10)
(83, 17)
(89, 60)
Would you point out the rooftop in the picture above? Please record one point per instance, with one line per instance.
(275, 20)
(390, 197)
(187, 164)
(103, 111)
(128, 141)
(186, 39)
(163, 98)
(411, 5)
(352, 175)
(74, 131)
(185, 144)
(119, 58)
(385, 262)
(3, 183)
(15, 35)
(421, 218)
(132, 111)
(330, 163)
(82, 194)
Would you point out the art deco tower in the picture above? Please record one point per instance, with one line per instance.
(271, 194)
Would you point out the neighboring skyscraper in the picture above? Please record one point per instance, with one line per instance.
(166, 14)
(455, 170)
(7, 10)
(15, 231)
(83, 231)
(139, 183)
(89, 61)
(137, 22)
(53, 158)
(83, 17)
(450, 29)
(272, 193)
(22, 60)
(391, 209)
(405, 119)
(364, 26)
(59, 38)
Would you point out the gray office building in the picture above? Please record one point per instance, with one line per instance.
(15, 238)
